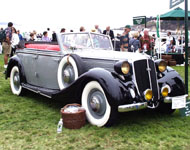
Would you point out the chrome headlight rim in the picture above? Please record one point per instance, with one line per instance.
(120, 69)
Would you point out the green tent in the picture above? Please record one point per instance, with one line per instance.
(175, 14)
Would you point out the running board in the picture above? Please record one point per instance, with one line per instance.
(132, 107)
(42, 91)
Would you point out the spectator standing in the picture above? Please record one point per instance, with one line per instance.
(6, 45)
(63, 30)
(109, 32)
(98, 30)
(35, 35)
(19, 35)
(82, 29)
(145, 41)
(45, 37)
(169, 42)
(124, 39)
(54, 37)
(32, 38)
(14, 41)
(134, 43)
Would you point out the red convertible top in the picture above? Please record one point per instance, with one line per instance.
(43, 46)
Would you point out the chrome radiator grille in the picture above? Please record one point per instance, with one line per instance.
(145, 76)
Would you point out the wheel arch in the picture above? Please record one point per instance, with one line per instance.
(114, 90)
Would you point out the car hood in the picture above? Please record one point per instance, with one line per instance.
(111, 55)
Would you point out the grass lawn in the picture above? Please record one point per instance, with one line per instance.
(30, 122)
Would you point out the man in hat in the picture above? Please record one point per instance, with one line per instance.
(124, 40)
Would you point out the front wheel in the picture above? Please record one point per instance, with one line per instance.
(98, 110)
(16, 87)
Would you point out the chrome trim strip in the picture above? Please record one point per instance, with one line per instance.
(157, 81)
(134, 78)
(149, 69)
(132, 107)
(169, 99)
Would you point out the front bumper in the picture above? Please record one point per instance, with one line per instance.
(132, 107)
(138, 106)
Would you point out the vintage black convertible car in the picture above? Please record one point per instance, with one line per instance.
(84, 68)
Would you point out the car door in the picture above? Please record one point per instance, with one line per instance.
(28, 59)
(46, 69)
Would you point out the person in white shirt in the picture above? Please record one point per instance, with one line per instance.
(169, 42)
(14, 41)
(97, 29)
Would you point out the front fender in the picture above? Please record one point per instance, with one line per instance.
(173, 79)
(116, 91)
(15, 61)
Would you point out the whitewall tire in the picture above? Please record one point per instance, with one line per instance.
(95, 103)
(16, 87)
(67, 72)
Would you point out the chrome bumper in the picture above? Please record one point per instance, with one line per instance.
(169, 99)
(132, 107)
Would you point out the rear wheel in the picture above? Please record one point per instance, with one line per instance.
(16, 87)
(98, 110)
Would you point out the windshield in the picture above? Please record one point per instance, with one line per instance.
(85, 41)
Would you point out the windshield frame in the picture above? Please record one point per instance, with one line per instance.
(89, 35)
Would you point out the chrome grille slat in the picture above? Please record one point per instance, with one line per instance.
(145, 76)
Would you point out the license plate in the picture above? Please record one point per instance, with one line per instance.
(179, 102)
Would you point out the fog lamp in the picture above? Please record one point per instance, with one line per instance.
(148, 94)
(165, 90)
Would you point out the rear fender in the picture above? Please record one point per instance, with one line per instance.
(15, 61)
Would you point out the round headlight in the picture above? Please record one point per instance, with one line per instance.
(162, 66)
(148, 94)
(125, 68)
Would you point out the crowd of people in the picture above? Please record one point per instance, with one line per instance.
(124, 42)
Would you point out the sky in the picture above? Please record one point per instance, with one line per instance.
(71, 14)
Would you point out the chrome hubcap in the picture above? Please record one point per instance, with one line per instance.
(95, 104)
(16, 80)
(68, 75)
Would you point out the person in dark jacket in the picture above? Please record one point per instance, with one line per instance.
(54, 37)
(109, 32)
